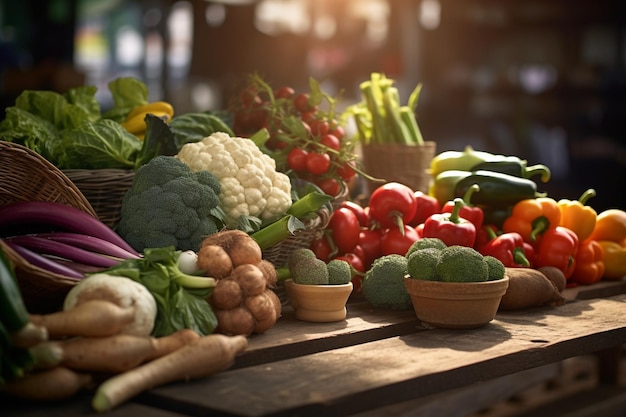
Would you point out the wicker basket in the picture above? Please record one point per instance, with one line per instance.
(104, 189)
(26, 176)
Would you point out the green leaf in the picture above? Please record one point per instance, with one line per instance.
(159, 140)
(193, 127)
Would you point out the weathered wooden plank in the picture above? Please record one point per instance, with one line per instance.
(360, 377)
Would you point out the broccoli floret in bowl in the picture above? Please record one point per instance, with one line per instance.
(462, 264)
(383, 284)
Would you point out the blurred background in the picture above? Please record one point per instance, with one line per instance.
(541, 79)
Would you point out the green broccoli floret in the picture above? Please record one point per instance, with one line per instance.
(422, 264)
(339, 272)
(496, 268)
(309, 271)
(383, 284)
(297, 255)
(461, 264)
(169, 205)
(425, 242)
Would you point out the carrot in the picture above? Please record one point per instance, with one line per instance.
(529, 288)
(120, 352)
(199, 359)
(90, 318)
(58, 383)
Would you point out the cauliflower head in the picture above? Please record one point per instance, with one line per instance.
(250, 184)
(169, 205)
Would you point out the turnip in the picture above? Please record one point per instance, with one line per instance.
(214, 261)
(237, 321)
(269, 270)
(250, 278)
(240, 247)
(121, 291)
(199, 359)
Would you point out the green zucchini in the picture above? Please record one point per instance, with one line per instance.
(497, 189)
(13, 312)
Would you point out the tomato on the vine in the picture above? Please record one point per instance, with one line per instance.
(346, 171)
(359, 211)
(301, 103)
(319, 127)
(331, 141)
(396, 241)
(338, 131)
(329, 185)
(317, 163)
(345, 229)
(296, 159)
(284, 92)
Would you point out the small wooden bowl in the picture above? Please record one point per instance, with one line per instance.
(456, 305)
(318, 303)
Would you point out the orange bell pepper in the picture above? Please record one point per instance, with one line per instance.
(614, 259)
(577, 216)
(610, 225)
(533, 217)
(589, 263)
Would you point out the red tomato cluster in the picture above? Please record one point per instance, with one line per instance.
(306, 138)
(388, 225)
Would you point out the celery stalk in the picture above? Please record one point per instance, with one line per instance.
(408, 117)
(401, 133)
(278, 231)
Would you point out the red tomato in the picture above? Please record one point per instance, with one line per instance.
(369, 241)
(317, 163)
(331, 141)
(393, 241)
(346, 171)
(392, 201)
(356, 263)
(321, 248)
(426, 206)
(307, 116)
(319, 127)
(345, 229)
(296, 159)
(337, 130)
(358, 211)
(284, 92)
(301, 103)
(329, 185)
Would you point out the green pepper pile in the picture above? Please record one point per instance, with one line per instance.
(502, 180)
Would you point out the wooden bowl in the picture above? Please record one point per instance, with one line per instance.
(318, 303)
(456, 305)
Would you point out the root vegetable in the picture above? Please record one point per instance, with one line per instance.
(90, 318)
(199, 359)
(237, 321)
(214, 260)
(47, 354)
(120, 352)
(269, 270)
(250, 278)
(240, 247)
(263, 309)
(226, 295)
(55, 384)
(529, 288)
(121, 291)
(29, 336)
(555, 275)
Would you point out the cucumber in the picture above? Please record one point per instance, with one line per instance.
(13, 312)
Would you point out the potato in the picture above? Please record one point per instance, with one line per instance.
(529, 288)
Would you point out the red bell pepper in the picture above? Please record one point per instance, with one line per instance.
(484, 235)
(451, 228)
(558, 247)
(508, 248)
(589, 263)
(468, 211)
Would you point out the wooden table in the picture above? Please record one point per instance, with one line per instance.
(375, 359)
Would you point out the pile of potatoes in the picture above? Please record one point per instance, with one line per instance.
(243, 299)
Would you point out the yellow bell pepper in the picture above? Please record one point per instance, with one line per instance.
(577, 216)
(610, 225)
(614, 259)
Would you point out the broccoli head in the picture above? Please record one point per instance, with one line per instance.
(425, 242)
(383, 284)
(339, 272)
(309, 271)
(462, 264)
(169, 205)
(422, 264)
(496, 268)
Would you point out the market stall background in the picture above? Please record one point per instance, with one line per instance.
(541, 80)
